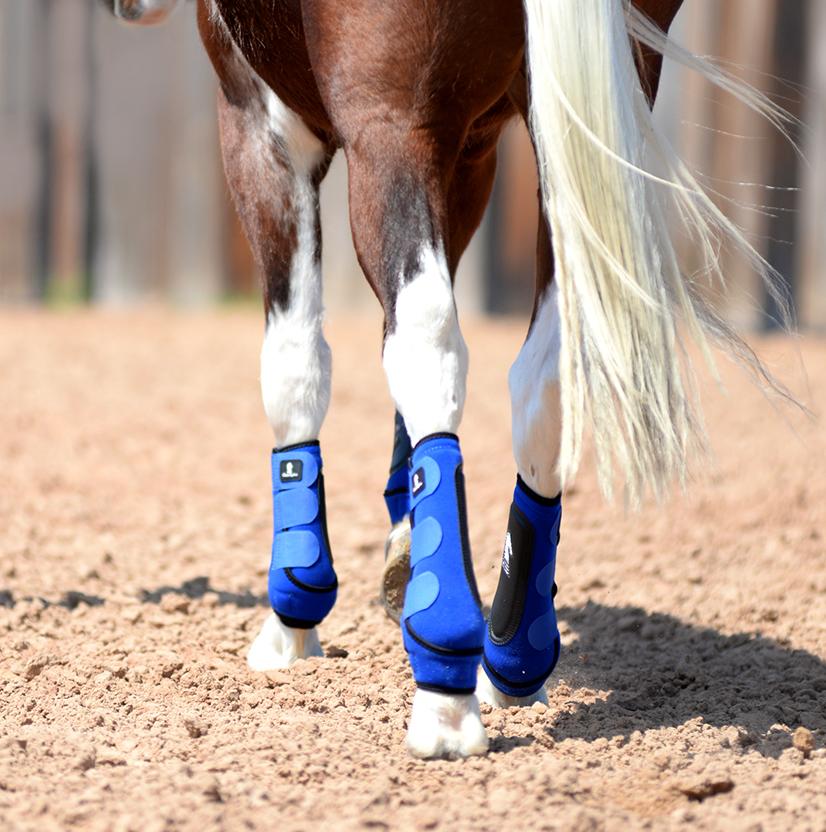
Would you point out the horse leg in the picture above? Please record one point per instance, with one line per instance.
(466, 201)
(522, 639)
(522, 642)
(398, 209)
(274, 165)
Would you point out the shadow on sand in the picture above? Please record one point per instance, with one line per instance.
(198, 587)
(663, 672)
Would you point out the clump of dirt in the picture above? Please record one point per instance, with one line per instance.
(135, 509)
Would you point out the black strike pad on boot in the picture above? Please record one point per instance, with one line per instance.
(509, 601)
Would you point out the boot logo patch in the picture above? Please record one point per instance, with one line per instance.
(418, 481)
(506, 555)
(291, 470)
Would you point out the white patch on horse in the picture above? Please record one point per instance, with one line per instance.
(445, 725)
(303, 147)
(278, 646)
(425, 356)
(536, 413)
(296, 362)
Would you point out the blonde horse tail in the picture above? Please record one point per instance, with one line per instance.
(624, 303)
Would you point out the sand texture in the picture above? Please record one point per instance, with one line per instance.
(134, 543)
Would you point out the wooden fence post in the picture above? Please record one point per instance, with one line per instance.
(812, 260)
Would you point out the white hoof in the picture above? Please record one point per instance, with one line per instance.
(445, 725)
(278, 646)
(488, 693)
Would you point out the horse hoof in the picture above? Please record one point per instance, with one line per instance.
(445, 725)
(396, 569)
(488, 693)
(278, 646)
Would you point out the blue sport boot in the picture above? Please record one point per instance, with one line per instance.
(522, 638)
(302, 582)
(442, 623)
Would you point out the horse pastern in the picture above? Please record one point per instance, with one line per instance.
(489, 694)
(278, 647)
(447, 726)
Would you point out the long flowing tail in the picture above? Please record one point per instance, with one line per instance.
(623, 299)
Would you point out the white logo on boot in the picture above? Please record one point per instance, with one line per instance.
(506, 555)
(291, 469)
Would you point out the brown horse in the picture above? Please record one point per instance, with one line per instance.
(416, 93)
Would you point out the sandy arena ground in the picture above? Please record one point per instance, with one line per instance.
(135, 517)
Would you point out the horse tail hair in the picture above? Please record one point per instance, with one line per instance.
(624, 303)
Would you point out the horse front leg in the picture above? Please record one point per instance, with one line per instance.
(274, 165)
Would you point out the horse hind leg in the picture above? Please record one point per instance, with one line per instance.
(467, 197)
(522, 641)
(397, 213)
(274, 165)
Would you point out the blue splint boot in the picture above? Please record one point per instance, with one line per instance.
(302, 581)
(522, 637)
(442, 622)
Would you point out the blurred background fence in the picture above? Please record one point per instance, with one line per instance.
(111, 188)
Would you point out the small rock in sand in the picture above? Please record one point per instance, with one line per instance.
(172, 602)
(803, 741)
(36, 665)
(194, 727)
(704, 787)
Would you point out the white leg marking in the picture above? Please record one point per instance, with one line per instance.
(486, 692)
(296, 363)
(425, 357)
(445, 725)
(536, 411)
(278, 646)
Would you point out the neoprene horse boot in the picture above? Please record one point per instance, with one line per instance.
(522, 638)
(302, 581)
(442, 623)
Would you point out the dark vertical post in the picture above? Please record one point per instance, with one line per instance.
(90, 178)
(44, 138)
(790, 59)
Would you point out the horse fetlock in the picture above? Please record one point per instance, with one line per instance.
(445, 725)
(277, 646)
